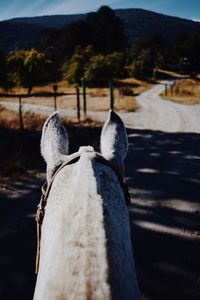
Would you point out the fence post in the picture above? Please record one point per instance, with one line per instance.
(84, 97)
(111, 94)
(55, 102)
(21, 124)
(165, 89)
(78, 103)
(171, 88)
(122, 92)
(55, 88)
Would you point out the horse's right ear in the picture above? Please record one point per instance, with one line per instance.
(114, 142)
(54, 142)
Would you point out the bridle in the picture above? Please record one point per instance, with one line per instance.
(46, 188)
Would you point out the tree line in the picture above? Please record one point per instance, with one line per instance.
(96, 49)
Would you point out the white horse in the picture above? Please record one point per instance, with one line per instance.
(86, 251)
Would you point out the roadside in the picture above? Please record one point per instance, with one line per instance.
(184, 91)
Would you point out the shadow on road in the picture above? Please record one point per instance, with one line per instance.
(163, 171)
(18, 239)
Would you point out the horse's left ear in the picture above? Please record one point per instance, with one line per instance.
(114, 142)
(54, 142)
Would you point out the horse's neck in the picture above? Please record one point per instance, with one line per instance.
(74, 227)
(89, 253)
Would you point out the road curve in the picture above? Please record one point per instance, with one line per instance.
(158, 114)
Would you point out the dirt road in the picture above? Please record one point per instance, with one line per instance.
(163, 173)
(167, 116)
(163, 170)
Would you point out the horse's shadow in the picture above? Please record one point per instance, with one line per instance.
(161, 168)
(163, 171)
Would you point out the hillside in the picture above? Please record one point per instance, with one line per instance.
(138, 23)
(141, 23)
(15, 35)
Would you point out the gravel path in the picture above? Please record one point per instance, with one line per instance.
(163, 173)
(167, 116)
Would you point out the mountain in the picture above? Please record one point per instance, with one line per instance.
(138, 23)
(26, 32)
(56, 21)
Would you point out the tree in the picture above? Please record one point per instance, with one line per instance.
(29, 68)
(107, 29)
(4, 82)
(76, 69)
(100, 70)
(147, 54)
(186, 54)
(78, 64)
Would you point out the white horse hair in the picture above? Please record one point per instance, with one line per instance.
(86, 251)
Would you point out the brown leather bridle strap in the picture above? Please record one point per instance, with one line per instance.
(47, 187)
(42, 204)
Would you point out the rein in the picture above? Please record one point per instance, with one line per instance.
(46, 188)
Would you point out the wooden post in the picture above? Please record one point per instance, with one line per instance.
(55, 88)
(21, 124)
(111, 94)
(78, 103)
(55, 102)
(165, 89)
(84, 97)
(171, 88)
(122, 92)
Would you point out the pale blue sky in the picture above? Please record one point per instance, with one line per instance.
(24, 8)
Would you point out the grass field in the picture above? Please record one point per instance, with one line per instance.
(185, 91)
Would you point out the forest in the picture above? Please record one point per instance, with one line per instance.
(97, 49)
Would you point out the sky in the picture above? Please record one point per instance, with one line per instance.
(189, 9)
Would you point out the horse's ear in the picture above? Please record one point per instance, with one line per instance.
(54, 142)
(114, 142)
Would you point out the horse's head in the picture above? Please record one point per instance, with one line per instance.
(86, 250)
(55, 144)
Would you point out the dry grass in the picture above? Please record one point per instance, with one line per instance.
(187, 87)
(137, 86)
(185, 91)
(10, 119)
(63, 87)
